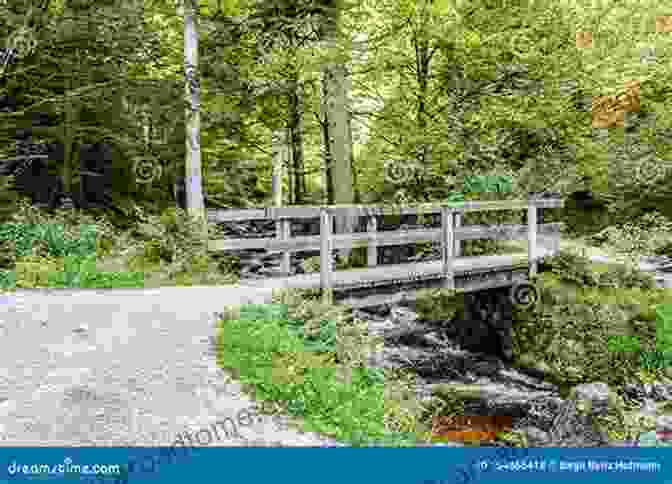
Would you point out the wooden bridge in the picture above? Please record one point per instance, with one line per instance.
(382, 284)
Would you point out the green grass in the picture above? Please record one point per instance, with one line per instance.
(60, 251)
(265, 350)
(661, 357)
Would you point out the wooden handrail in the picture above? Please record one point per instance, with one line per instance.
(451, 233)
(301, 212)
(375, 239)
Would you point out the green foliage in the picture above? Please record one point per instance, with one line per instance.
(281, 368)
(316, 322)
(587, 312)
(578, 269)
(439, 305)
(276, 352)
(646, 235)
(175, 238)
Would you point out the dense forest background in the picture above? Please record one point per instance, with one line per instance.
(369, 102)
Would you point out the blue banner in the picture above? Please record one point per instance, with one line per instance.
(437, 465)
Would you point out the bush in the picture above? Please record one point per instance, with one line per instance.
(597, 334)
(176, 238)
(580, 270)
(648, 235)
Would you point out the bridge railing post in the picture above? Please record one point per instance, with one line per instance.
(448, 246)
(372, 249)
(532, 236)
(283, 228)
(458, 242)
(325, 255)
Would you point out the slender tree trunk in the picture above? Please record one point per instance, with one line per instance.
(339, 144)
(423, 58)
(336, 90)
(195, 205)
(279, 148)
(356, 197)
(327, 177)
(69, 145)
(295, 131)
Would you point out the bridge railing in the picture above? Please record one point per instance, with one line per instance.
(450, 234)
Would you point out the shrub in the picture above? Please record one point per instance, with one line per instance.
(609, 314)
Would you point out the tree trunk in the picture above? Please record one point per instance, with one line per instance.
(295, 131)
(70, 157)
(339, 143)
(335, 91)
(195, 205)
(423, 59)
(357, 196)
(279, 148)
(327, 177)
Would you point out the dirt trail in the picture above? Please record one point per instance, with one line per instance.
(123, 368)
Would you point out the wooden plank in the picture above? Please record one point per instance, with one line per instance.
(358, 299)
(215, 216)
(372, 249)
(388, 274)
(302, 212)
(382, 239)
(325, 257)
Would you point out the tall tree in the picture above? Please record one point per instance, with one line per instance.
(336, 121)
(195, 204)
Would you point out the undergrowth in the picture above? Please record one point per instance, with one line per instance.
(312, 358)
(71, 249)
(582, 307)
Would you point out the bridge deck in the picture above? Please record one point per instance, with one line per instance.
(388, 274)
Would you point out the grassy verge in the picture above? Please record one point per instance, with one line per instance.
(69, 249)
(309, 359)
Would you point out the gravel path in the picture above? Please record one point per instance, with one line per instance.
(124, 368)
